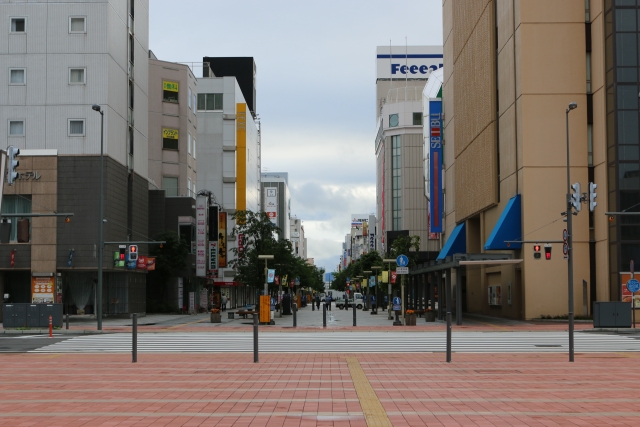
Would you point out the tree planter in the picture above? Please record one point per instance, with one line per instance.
(410, 319)
(215, 318)
(430, 316)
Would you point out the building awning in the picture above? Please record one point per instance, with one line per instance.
(456, 243)
(508, 227)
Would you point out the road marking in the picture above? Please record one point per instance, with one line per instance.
(374, 413)
(186, 324)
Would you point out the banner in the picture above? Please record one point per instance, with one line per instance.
(170, 86)
(213, 254)
(222, 239)
(271, 275)
(435, 166)
(271, 204)
(42, 290)
(240, 244)
(141, 264)
(151, 263)
(170, 133)
(201, 236)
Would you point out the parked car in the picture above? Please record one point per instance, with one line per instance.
(342, 303)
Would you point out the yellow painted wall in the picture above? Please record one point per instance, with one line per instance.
(241, 156)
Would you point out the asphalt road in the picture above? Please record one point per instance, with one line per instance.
(25, 343)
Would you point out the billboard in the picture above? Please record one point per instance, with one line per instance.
(435, 166)
(271, 204)
(407, 62)
(222, 239)
(201, 236)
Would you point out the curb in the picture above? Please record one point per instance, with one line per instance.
(55, 332)
(628, 331)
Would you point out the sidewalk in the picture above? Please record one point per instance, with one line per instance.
(307, 319)
(397, 390)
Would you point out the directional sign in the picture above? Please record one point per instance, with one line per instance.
(633, 286)
(402, 270)
(402, 261)
(397, 304)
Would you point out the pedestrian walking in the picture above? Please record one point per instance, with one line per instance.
(224, 302)
(328, 302)
(318, 302)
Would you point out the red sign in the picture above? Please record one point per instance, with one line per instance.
(277, 280)
(393, 277)
(240, 244)
(141, 264)
(291, 283)
(151, 263)
(271, 215)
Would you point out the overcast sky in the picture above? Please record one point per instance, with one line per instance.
(315, 89)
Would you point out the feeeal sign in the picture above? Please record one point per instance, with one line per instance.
(435, 168)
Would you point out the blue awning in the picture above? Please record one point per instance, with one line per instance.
(508, 227)
(456, 243)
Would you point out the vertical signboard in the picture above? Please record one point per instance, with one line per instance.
(222, 239)
(240, 244)
(241, 158)
(213, 237)
(42, 290)
(180, 293)
(201, 236)
(213, 255)
(271, 204)
(435, 168)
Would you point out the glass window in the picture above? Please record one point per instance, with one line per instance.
(627, 74)
(628, 127)
(628, 97)
(170, 91)
(189, 186)
(194, 148)
(417, 119)
(18, 204)
(77, 24)
(170, 186)
(76, 127)
(629, 152)
(194, 103)
(626, 49)
(193, 186)
(629, 176)
(393, 120)
(77, 76)
(209, 101)
(625, 20)
(17, 76)
(16, 127)
(18, 25)
(189, 143)
(189, 99)
(170, 139)
(396, 183)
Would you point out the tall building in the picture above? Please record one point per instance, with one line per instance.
(402, 73)
(60, 59)
(276, 201)
(505, 150)
(228, 166)
(298, 239)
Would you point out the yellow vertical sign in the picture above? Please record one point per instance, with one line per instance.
(265, 309)
(241, 156)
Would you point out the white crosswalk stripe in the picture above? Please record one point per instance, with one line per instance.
(347, 342)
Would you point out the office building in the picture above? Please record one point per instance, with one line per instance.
(276, 201)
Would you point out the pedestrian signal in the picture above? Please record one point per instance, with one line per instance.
(547, 252)
(536, 251)
(133, 252)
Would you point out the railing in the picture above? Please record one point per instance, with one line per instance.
(199, 69)
(402, 94)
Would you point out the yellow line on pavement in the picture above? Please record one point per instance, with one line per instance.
(374, 413)
(186, 324)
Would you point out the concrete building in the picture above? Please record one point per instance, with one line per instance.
(276, 201)
(400, 198)
(228, 165)
(298, 239)
(505, 150)
(60, 59)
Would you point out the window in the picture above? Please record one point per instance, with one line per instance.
(189, 144)
(17, 76)
(195, 102)
(396, 183)
(76, 127)
(77, 25)
(209, 101)
(16, 127)
(16, 205)
(170, 91)
(194, 148)
(130, 94)
(131, 49)
(169, 139)
(393, 120)
(193, 186)
(188, 186)
(189, 99)
(18, 25)
(77, 76)
(417, 119)
(170, 186)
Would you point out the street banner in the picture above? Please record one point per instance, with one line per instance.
(201, 236)
(141, 264)
(213, 253)
(393, 277)
(271, 204)
(271, 275)
(151, 263)
(222, 239)
(435, 166)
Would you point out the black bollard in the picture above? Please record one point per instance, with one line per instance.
(67, 320)
(295, 311)
(354, 312)
(134, 339)
(255, 338)
(448, 337)
(324, 316)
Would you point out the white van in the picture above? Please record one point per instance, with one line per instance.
(358, 301)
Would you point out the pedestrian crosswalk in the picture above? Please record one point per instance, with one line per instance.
(346, 342)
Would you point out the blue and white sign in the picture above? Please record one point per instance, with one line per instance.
(270, 275)
(372, 281)
(633, 286)
(435, 166)
(402, 261)
(397, 303)
(414, 62)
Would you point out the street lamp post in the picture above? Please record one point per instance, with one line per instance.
(571, 106)
(389, 261)
(266, 272)
(96, 107)
(375, 269)
(367, 275)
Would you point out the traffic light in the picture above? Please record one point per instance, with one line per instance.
(592, 196)
(12, 164)
(547, 252)
(536, 251)
(122, 253)
(575, 197)
(133, 252)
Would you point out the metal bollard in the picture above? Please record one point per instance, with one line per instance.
(50, 327)
(448, 337)
(67, 320)
(134, 339)
(324, 316)
(295, 319)
(255, 338)
(354, 312)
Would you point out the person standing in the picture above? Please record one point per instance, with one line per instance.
(318, 302)
(224, 302)
(328, 302)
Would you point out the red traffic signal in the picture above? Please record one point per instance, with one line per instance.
(121, 254)
(536, 251)
(547, 252)
(133, 252)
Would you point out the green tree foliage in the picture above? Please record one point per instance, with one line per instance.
(356, 268)
(406, 245)
(171, 259)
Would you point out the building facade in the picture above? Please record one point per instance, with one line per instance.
(60, 59)
(276, 201)
(505, 149)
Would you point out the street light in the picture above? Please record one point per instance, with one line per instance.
(389, 261)
(367, 274)
(96, 107)
(375, 268)
(571, 106)
(266, 272)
